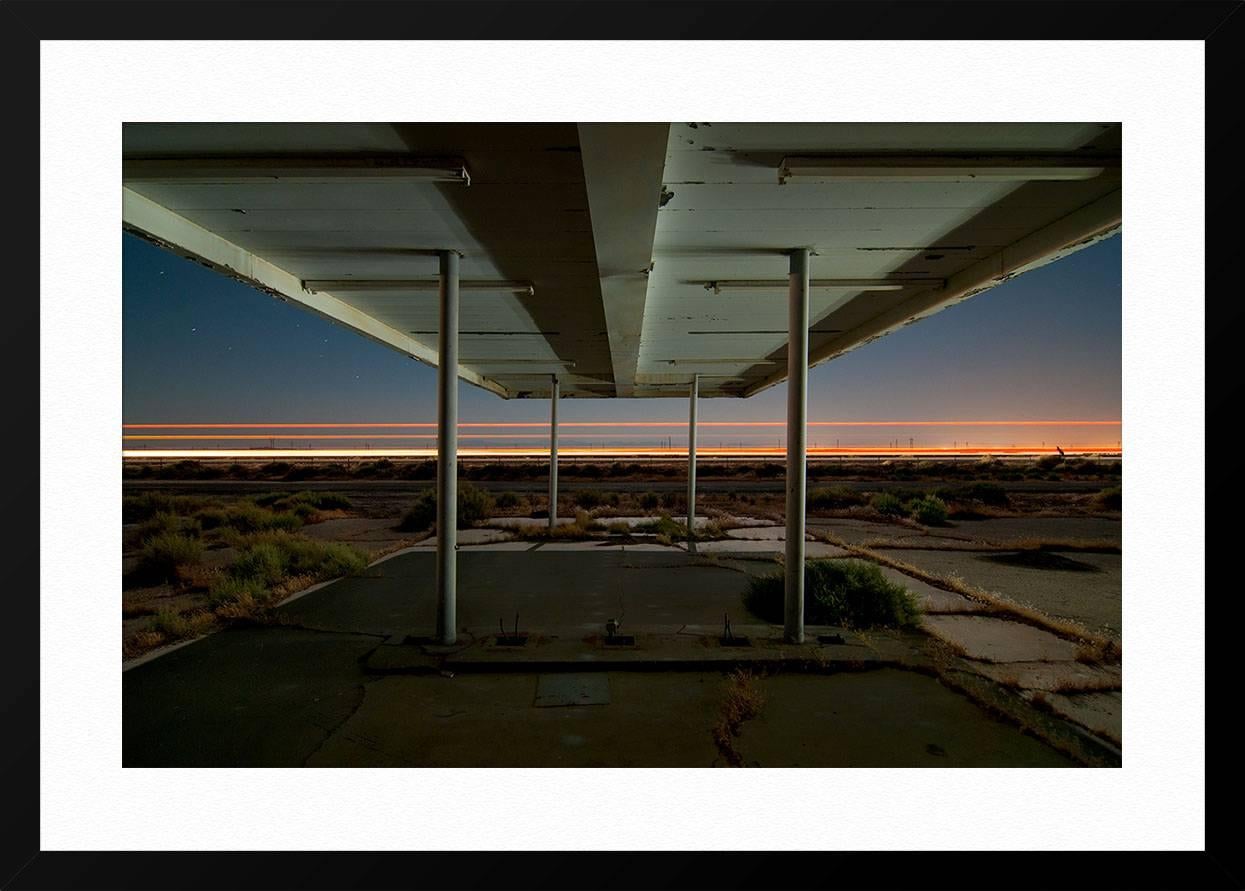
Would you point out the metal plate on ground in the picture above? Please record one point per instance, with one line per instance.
(553, 690)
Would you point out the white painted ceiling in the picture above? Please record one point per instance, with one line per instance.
(619, 304)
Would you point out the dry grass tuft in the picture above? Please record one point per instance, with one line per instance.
(741, 701)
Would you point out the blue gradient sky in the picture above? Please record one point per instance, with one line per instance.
(199, 347)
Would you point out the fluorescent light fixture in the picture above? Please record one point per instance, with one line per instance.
(345, 285)
(295, 169)
(943, 168)
(819, 284)
(718, 361)
(493, 361)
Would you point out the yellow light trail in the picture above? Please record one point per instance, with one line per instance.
(545, 424)
(575, 451)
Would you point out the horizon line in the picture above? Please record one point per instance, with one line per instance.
(545, 424)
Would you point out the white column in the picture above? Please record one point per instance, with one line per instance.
(447, 450)
(553, 452)
(691, 464)
(797, 416)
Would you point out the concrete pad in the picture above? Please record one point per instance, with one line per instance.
(1003, 529)
(763, 533)
(547, 589)
(857, 531)
(1092, 598)
(1101, 713)
(247, 697)
(998, 640)
(882, 718)
(361, 530)
(1051, 676)
(467, 537)
(653, 720)
(555, 547)
(503, 546)
(933, 600)
(557, 690)
(526, 522)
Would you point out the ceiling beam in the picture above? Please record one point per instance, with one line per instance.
(162, 226)
(623, 169)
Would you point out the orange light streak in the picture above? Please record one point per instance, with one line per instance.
(618, 424)
(573, 451)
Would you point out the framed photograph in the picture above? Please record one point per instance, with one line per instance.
(666, 445)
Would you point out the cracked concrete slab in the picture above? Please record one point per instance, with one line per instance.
(1099, 712)
(933, 600)
(467, 537)
(880, 718)
(1091, 598)
(999, 640)
(1051, 676)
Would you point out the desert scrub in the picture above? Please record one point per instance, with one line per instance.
(663, 526)
(280, 501)
(1108, 499)
(246, 517)
(137, 508)
(271, 557)
(834, 498)
(929, 511)
(848, 593)
(588, 498)
(164, 522)
(228, 589)
(507, 500)
(172, 625)
(474, 505)
(886, 503)
(983, 493)
(165, 555)
(649, 501)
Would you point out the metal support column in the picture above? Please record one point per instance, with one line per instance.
(553, 452)
(797, 435)
(447, 450)
(691, 464)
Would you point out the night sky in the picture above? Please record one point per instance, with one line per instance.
(201, 348)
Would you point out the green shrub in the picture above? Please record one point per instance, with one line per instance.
(886, 503)
(232, 589)
(167, 522)
(507, 500)
(649, 501)
(834, 498)
(474, 504)
(263, 563)
(587, 498)
(282, 501)
(421, 514)
(929, 511)
(983, 493)
(164, 554)
(848, 593)
(1109, 499)
(137, 508)
(664, 526)
(272, 556)
(247, 517)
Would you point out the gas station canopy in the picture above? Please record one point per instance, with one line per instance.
(627, 260)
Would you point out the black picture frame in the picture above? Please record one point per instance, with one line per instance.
(24, 23)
